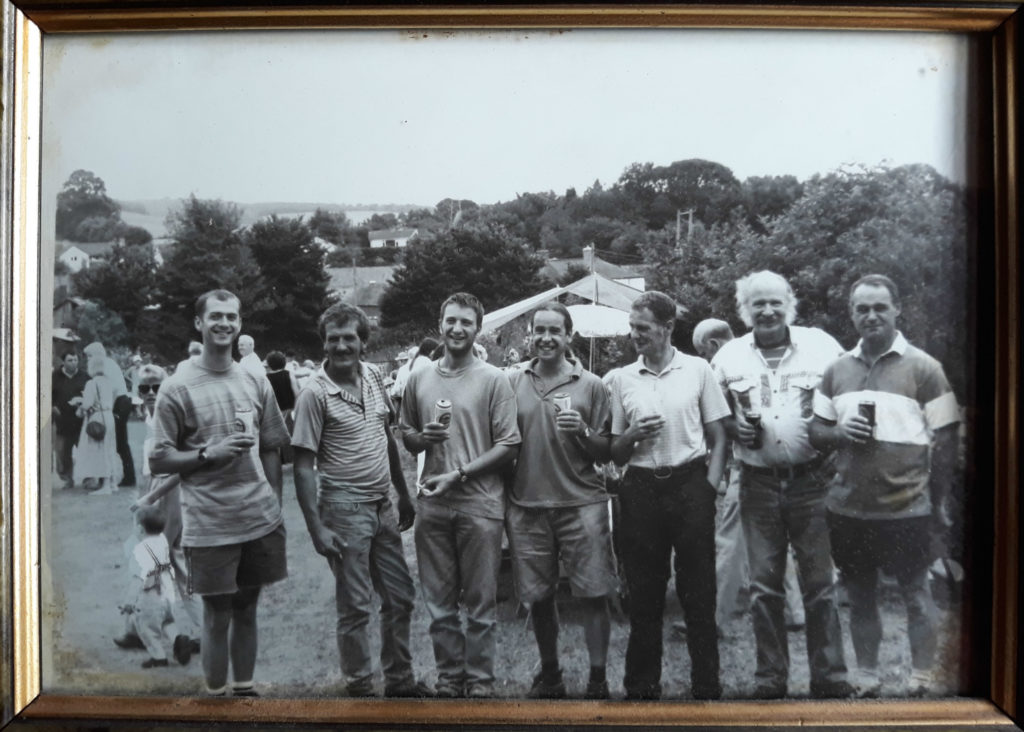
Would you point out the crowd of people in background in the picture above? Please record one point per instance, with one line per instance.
(775, 448)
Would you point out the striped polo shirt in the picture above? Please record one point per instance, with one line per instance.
(886, 477)
(347, 434)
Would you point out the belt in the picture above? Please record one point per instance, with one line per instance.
(784, 472)
(667, 471)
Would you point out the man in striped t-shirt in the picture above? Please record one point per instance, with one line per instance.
(893, 475)
(341, 425)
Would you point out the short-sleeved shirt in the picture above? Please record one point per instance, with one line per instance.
(886, 477)
(554, 470)
(784, 395)
(234, 502)
(686, 396)
(347, 434)
(483, 415)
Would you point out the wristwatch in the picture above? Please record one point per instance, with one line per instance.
(463, 475)
(585, 433)
(201, 456)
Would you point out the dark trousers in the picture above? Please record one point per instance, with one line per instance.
(659, 515)
(123, 450)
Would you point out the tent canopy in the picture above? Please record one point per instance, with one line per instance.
(599, 321)
(594, 287)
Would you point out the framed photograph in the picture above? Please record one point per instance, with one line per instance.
(678, 133)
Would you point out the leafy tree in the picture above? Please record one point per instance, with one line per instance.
(378, 222)
(136, 235)
(330, 226)
(770, 196)
(95, 322)
(487, 261)
(84, 210)
(573, 273)
(125, 283)
(294, 283)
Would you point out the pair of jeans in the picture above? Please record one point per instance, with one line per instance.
(459, 556)
(372, 559)
(659, 515)
(776, 513)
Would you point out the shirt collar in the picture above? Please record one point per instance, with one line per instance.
(577, 368)
(331, 386)
(675, 363)
(899, 347)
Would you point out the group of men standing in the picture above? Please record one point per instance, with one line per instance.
(516, 452)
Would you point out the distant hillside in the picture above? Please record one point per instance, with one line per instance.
(151, 213)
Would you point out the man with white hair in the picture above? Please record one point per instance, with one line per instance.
(249, 360)
(769, 376)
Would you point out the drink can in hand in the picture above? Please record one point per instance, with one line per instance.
(561, 402)
(755, 421)
(866, 409)
(443, 412)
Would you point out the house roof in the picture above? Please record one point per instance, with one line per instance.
(92, 248)
(555, 268)
(392, 234)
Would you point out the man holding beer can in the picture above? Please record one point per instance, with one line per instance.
(462, 496)
(769, 376)
(888, 410)
(558, 512)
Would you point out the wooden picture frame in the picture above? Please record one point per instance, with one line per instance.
(997, 27)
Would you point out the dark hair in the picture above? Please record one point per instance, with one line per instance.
(221, 295)
(340, 313)
(72, 352)
(662, 307)
(427, 346)
(151, 518)
(290, 353)
(555, 307)
(878, 280)
(464, 299)
(276, 360)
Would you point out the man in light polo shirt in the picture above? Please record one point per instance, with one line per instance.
(666, 411)
(558, 508)
(219, 427)
(772, 372)
(462, 497)
(341, 426)
(893, 476)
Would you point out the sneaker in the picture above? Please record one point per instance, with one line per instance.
(182, 649)
(832, 690)
(408, 690)
(247, 691)
(126, 483)
(597, 690)
(129, 641)
(154, 662)
(867, 683)
(447, 691)
(480, 691)
(920, 683)
(547, 686)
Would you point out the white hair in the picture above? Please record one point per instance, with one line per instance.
(746, 285)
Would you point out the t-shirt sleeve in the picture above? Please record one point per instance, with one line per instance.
(168, 424)
(713, 405)
(824, 407)
(936, 397)
(309, 420)
(619, 423)
(409, 421)
(504, 414)
(273, 432)
(600, 410)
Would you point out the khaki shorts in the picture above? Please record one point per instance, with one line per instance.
(222, 570)
(579, 536)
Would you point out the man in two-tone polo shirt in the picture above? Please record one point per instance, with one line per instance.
(893, 475)
(772, 372)
(666, 411)
(341, 422)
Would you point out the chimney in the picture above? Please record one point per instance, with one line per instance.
(588, 257)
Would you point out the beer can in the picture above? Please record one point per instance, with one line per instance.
(561, 401)
(755, 421)
(866, 409)
(443, 412)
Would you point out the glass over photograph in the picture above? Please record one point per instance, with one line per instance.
(606, 364)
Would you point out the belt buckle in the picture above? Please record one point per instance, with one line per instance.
(663, 472)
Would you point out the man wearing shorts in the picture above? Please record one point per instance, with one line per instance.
(219, 427)
(893, 476)
(342, 419)
(559, 507)
(462, 497)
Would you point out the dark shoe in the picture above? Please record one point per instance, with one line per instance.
(182, 649)
(129, 641)
(547, 686)
(154, 662)
(648, 693)
(447, 691)
(768, 691)
(832, 690)
(480, 691)
(706, 692)
(360, 690)
(193, 646)
(126, 483)
(408, 690)
(597, 690)
(246, 692)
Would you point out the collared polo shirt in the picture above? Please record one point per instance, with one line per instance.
(554, 470)
(886, 477)
(685, 394)
(785, 394)
(347, 434)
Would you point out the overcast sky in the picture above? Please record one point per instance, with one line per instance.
(384, 116)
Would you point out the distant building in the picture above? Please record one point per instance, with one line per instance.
(361, 286)
(389, 238)
(64, 312)
(79, 255)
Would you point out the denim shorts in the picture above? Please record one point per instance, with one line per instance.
(222, 570)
